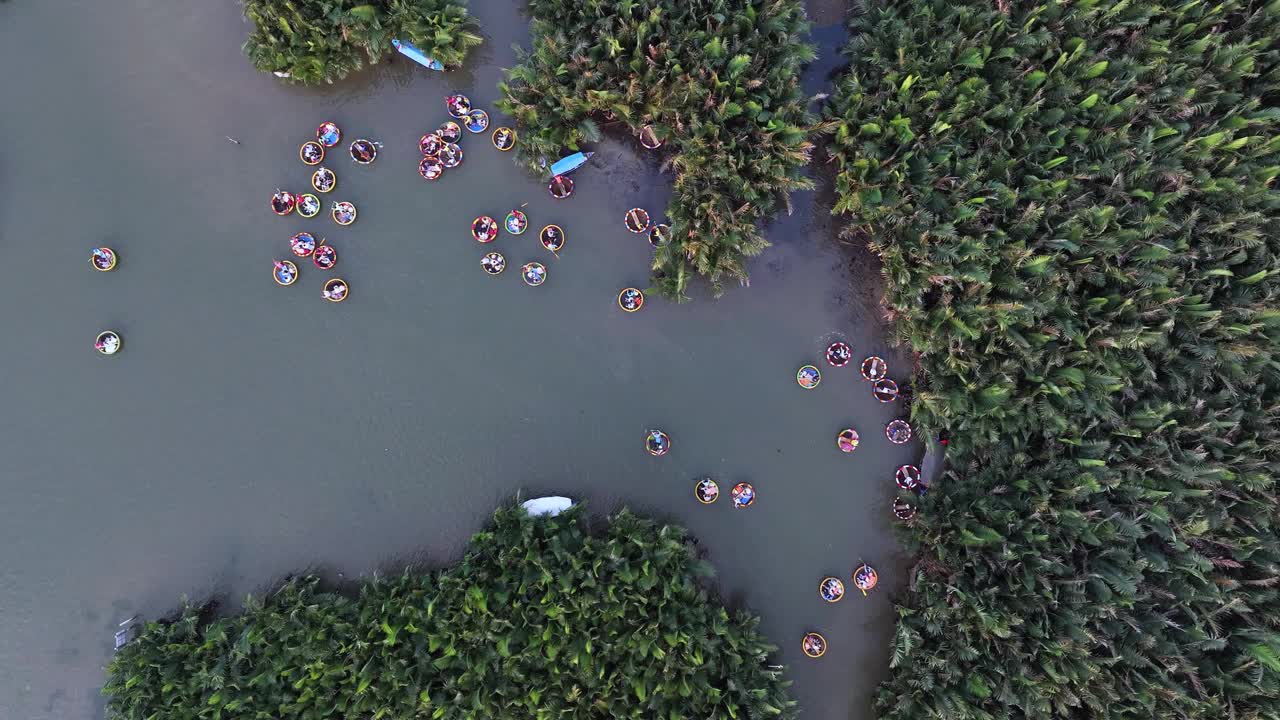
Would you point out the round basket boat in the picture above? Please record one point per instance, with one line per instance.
(450, 155)
(847, 440)
(839, 354)
(874, 368)
(707, 491)
(311, 152)
(325, 257)
(516, 222)
(907, 477)
(560, 187)
(329, 134)
(108, 342)
(308, 205)
(903, 510)
(303, 244)
(335, 290)
(865, 578)
(813, 645)
(103, 259)
(808, 377)
(430, 168)
(323, 180)
(637, 220)
(649, 138)
(743, 495)
(504, 138)
(449, 131)
(363, 151)
(282, 202)
(657, 443)
(898, 432)
(552, 238)
(430, 144)
(284, 272)
(493, 263)
(484, 229)
(831, 589)
(885, 390)
(534, 274)
(630, 300)
(477, 121)
(344, 213)
(458, 105)
(659, 234)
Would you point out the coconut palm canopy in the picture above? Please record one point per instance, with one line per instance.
(716, 79)
(1075, 205)
(540, 619)
(325, 40)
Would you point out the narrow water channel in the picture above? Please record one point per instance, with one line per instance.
(248, 431)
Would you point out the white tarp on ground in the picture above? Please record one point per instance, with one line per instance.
(551, 505)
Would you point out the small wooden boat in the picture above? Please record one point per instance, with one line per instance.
(103, 259)
(344, 213)
(831, 589)
(898, 432)
(450, 155)
(407, 49)
(284, 272)
(477, 121)
(308, 205)
(839, 354)
(484, 229)
(903, 510)
(814, 645)
(847, 440)
(449, 131)
(808, 376)
(707, 491)
(323, 180)
(430, 168)
(458, 105)
(552, 238)
(364, 152)
(659, 234)
(303, 244)
(547, 506)
(743, 495)
(874, 368)
(517, 222)
(325, 257)
(569, 163)
(311, 152)
(560, 187)
(504, 138)
(657, 443)
(282, 202)
(907, 477)
(335, 290)
(649, 138)
(430, 144)
(865, 578)
(108, 342)
(630, 300)
(885, 390)
(637, 220)
(493, 263)
(329, 134)
(534, 274)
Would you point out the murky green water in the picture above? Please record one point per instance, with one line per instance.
(247, 430)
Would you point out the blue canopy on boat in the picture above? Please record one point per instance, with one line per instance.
(569, 163)
(408, 50)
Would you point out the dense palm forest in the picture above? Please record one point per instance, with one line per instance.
(316, 41)
(540, 619)
(716, 80)
(1076, 207)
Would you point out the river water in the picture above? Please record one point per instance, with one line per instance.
(248, 431)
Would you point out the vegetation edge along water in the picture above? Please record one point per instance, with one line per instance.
(1076, 211)
(540, 618)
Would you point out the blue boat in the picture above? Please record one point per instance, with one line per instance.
(408, 50)
(569, 163)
